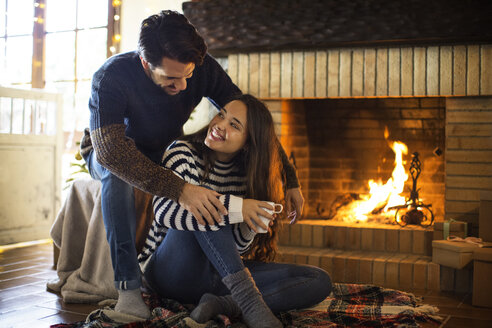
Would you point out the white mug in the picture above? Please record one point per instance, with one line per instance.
(277, 208)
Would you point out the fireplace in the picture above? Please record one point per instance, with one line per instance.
(338, 145)
(429, 97)
(335, 78)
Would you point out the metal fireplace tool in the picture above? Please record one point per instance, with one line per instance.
(417, 212)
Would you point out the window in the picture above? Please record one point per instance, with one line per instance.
(57, 45)
(16, 41)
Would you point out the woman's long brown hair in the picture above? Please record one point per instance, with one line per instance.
(260, 161)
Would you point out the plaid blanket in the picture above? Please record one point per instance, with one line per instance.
(351, 305)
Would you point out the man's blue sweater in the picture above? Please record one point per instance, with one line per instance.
(133, 120)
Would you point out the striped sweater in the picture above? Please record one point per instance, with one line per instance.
(225, 178)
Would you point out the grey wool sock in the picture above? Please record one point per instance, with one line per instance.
(130, 301)
(211, 305)
(256, 314)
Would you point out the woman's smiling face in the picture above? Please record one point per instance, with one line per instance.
(227, 132)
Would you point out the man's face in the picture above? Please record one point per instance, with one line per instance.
(171, 75)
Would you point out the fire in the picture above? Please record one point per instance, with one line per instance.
(382, 195)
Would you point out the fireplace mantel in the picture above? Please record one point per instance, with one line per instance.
(458, 70)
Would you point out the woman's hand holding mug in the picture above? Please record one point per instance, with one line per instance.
(259, 214)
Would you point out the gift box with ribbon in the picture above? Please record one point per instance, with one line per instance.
(451, 227)
(455, 252)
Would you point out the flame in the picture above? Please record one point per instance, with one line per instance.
(380, 194)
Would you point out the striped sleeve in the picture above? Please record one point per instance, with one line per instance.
(154, 238)
(170, 214)
(180, 158)
(243, 236)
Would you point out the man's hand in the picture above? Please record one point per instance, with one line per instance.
(294, 203)
(252, 209)
(203, 203)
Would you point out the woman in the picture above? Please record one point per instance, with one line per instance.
(224, 266)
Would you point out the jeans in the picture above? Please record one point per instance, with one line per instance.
(188, 264)
(118, 209)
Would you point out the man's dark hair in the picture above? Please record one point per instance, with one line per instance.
(170, 34)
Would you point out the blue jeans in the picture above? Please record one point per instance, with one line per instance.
(188, 264)
(118, 209)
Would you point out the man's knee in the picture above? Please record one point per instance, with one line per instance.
(115, 182)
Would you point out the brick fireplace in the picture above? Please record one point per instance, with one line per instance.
(333, 95)
(332, 106)
(339, 144)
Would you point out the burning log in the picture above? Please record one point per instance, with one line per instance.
(340, 202)
(341, 207)
(381, 197)
(379, 208)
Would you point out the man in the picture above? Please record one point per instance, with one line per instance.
(139, 103)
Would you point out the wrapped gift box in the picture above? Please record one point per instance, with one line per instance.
(452, 228)
(482, 272)
(485, 216)
(454, 254)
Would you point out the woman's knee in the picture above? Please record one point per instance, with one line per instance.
(322, 283)
(180, 245)
(180, 270)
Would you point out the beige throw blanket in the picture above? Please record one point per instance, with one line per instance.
(85, 274)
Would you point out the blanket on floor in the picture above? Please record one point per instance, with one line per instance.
(351, 305)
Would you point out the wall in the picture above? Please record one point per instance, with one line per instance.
(468, 156)
(132, 14)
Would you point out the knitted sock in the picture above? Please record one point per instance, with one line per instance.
(211, 305)
(130, 302)
(244, 292)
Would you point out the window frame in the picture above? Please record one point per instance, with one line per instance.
(38, 75)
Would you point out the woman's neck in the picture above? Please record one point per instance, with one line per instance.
(225, 158)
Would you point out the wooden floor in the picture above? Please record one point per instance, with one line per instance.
(25, 302)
